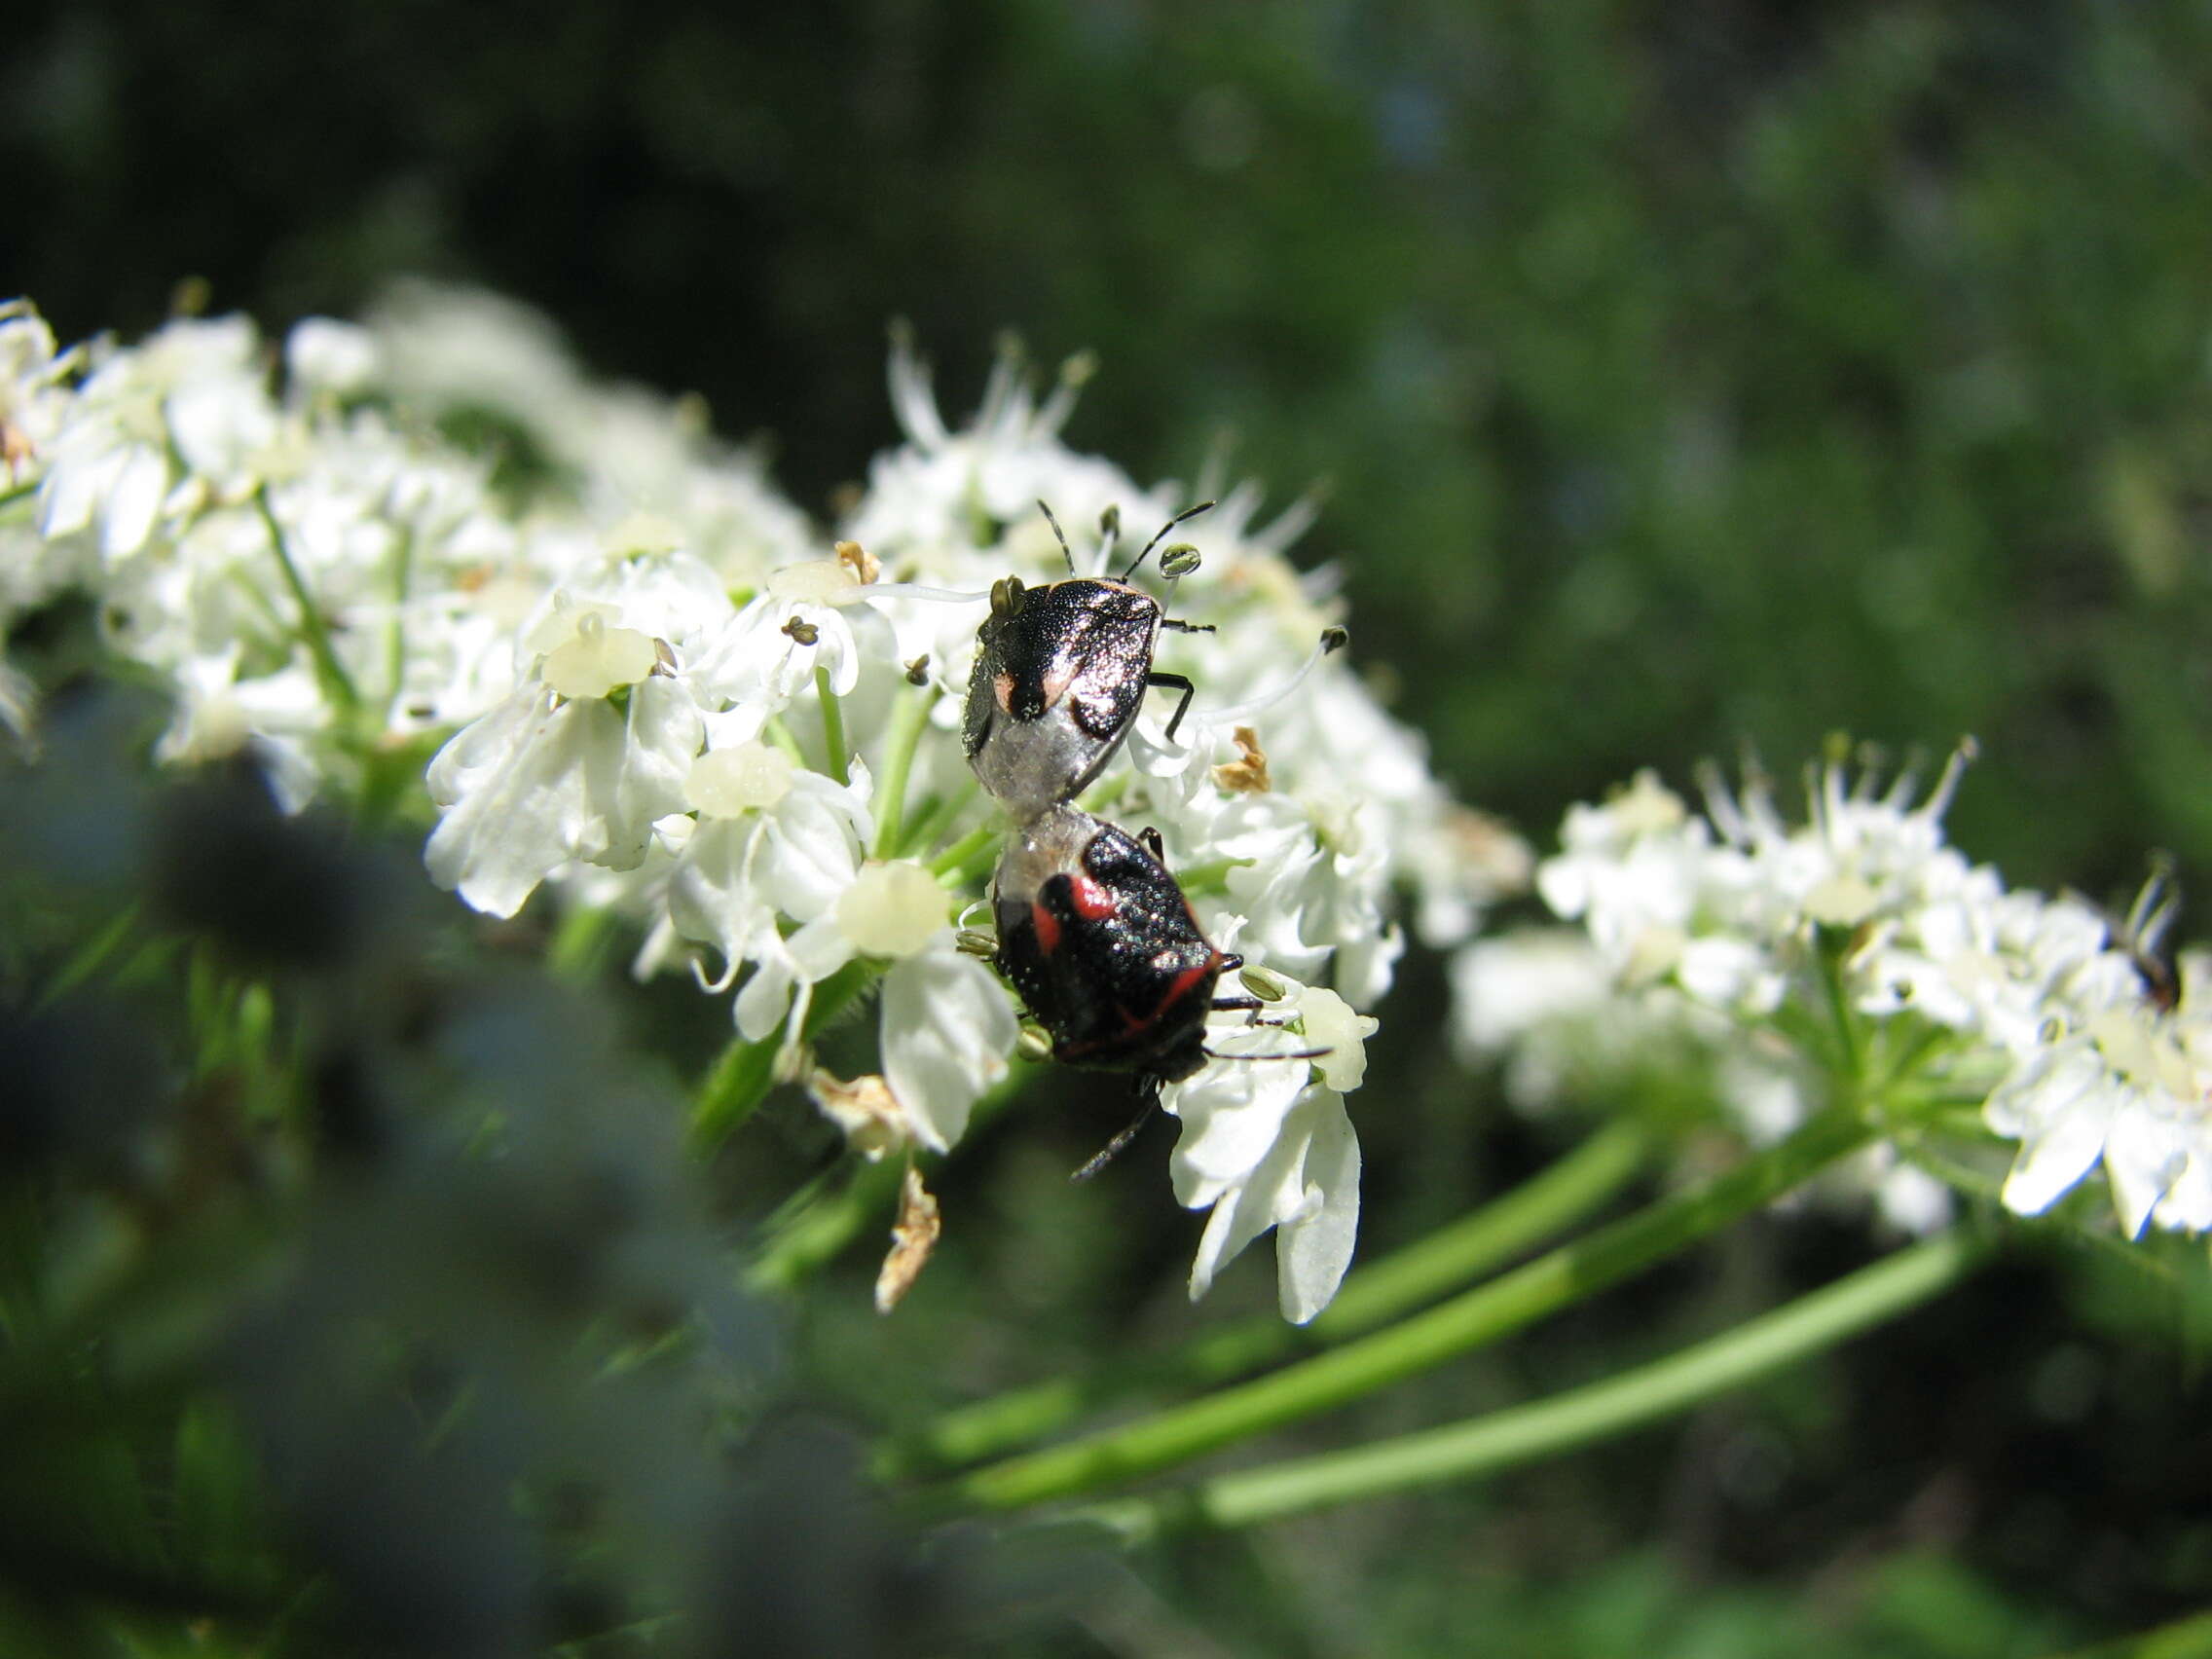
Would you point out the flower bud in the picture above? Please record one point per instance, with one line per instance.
(891, 910)
(745, 776)
(1330, 1023)
(598, 658)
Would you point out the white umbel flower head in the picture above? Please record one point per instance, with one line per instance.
(1733, 936)
(644, 681)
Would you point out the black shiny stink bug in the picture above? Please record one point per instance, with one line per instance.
(1060, 672)
(1099, 940)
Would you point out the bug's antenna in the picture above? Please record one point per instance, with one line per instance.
(1066, 552)
(1185, 513)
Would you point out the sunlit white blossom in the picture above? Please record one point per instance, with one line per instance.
(644, 683)
(1731, 935)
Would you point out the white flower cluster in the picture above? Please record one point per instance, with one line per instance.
(1307, 805)
(659, 691)
(315, 572)
(1747, 936)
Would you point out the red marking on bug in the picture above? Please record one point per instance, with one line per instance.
(1092, 901)
(1186, 983)
(1001, 690)
(1189, 979)
(1047, 928)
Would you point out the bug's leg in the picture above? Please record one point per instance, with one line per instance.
(1249, 1006)
(1173, 682)
(1107, 1153)
(1149, 840)
(1178, 625)
(1293, 1055)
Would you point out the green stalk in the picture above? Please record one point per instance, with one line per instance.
(909, 719)
(2188, 1638)
(955, 859)
(744, 1072)
(1371, 1297)
(1580, 1416)
(923, 829)
(1541, 1206)
(832, 727)
(579, 942)
(1484, 1314)
(780, 735)
(1851, 1053)
(337, 684)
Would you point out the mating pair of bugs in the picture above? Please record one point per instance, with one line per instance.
(1094, 933)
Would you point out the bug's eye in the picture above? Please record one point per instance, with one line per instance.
(1006, 597)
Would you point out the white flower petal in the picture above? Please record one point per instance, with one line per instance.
(1232, 1114)
(1313, 1250)
(515, 780)
(133, 500)
(947, 1028)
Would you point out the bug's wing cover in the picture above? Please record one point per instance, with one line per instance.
(1106, 653)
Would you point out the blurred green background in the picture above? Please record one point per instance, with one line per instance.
(1686, 377)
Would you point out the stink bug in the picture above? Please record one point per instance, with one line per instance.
(1099, 943)
(1060, 671)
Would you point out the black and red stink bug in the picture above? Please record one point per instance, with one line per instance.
(1099, 940)
(1060, 672)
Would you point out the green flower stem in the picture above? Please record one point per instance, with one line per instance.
(955, 859)
(780, 735)
(909, 719)
(832, 727)
(1371, 1297)
(580, 944)
(337, 684)
(2190, 1638)
(391, 787)
(925, 826)
(1850, 1049)
(1538, 1207)
(744, 1072)
(17, 493)
(1484, 1314)
(1565, 1422)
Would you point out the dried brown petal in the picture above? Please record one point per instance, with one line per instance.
(1247, 774)
(913, 1237)
(870, 1116)
(864, 565)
